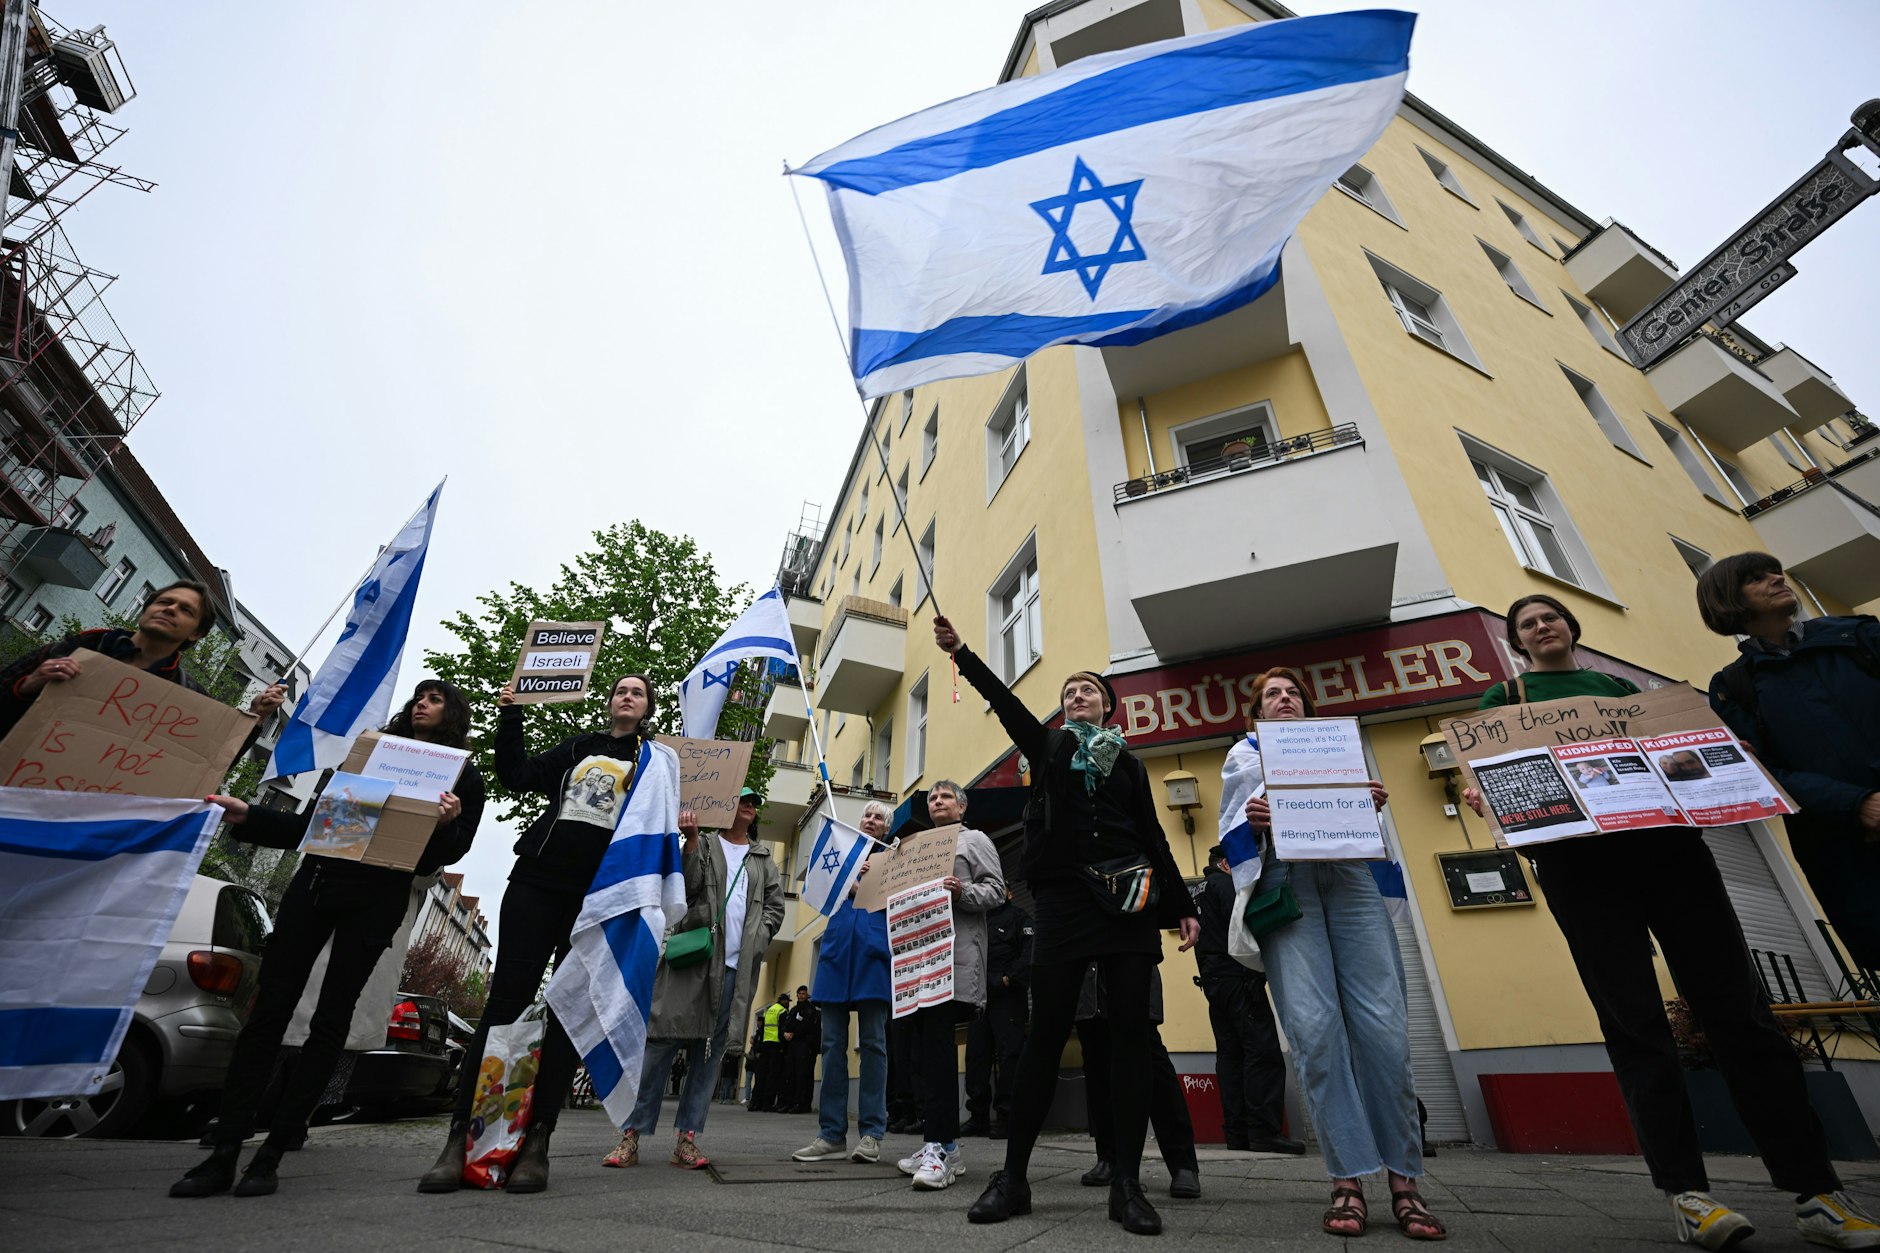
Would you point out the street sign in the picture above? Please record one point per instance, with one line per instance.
(1762, 287)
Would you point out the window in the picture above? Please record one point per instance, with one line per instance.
(1007, 433)
(907, 409)
(1563, 245)
(1014, 614)
(11, 593)
(1446, 177)
(1523, 517)
(916, 731)
(1799, 457)
(874, 555)
(1602, 413)
(1596, 328)
(38, 620)
(884, 755)
(843, 560)
(1362, 185)
(855, 583)
(1688, 458)
(926, 554)
(1416, 316)
(858, 773)
(1200, 444)
(887, 436)
(70, 514)
(894, 593)
(929, 440)
(1732, 474)
(114, 580)
(1694, 557)
(1521, 224)
(861, 507)
(147, 592)
(1423, 311)
(1511, 275)
(900, 499)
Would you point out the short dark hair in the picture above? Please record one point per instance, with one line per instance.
(1539, 598)
(1279, 672)
(802, 987)
(959, 793)
(1720, 590)
(205, 621)
(454, 731)
(652, 699)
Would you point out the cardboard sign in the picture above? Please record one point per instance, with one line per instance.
(711, 774)
(917, 859)
(118, 729)
(405, 822)
(557, 661)
(415, 768)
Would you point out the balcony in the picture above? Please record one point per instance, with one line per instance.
(864, 653)
(1620, 271)
(805, 622)
(63, 558)
(1826, 529)
(1810, 391)
(792, 787)
(786, 717)
(1720, 394)
(1253, 333)
(1227, 556)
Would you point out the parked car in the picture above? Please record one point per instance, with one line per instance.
(183, 1029)
(416, 1070)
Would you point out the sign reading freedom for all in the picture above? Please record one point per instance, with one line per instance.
(118, 729)
(1318, 791)
(711, 774)
(557, 661)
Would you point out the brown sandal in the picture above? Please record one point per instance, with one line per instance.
(1343, 1211)
(1408, 1209)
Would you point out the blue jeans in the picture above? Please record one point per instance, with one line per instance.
(871, 1019)
(701, 1073)
(1334, 976)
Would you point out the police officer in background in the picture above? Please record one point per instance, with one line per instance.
(1247, 1061)
(767, 1092)
(994, 1039)
(802, 1044)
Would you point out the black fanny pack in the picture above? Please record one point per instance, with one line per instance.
(1123, 886)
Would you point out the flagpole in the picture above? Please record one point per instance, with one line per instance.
(822, 759)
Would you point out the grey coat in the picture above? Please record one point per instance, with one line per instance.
(982, 890)
(686, 1001)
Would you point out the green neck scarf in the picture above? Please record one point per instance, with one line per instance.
(1097, 748)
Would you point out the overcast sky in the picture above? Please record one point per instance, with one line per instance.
(544, 248)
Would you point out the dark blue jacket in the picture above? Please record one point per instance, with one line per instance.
(1817, 725)
(854, 962)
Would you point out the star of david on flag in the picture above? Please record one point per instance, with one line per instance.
(763, 630)
(1235, 134)
(835, 865)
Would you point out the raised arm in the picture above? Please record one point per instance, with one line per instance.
(519, 771)
(1027, 733)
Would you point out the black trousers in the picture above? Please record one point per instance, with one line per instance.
(799, 1062)
(903, 1071)
(1844, 871)
(767, 1091)
(1168, 1108)
(993, 1042)
(361, 919)
(939, 1077)
(1053, 1013)
(1611, 895)
(536, 924)
(1247, 1059)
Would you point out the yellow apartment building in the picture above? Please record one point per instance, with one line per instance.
(1428, 417)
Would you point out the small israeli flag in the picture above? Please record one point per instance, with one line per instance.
(353, 690)
(1125, 196)
(763, 630)
(835, 865)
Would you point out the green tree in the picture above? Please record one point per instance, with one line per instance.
(664, 606)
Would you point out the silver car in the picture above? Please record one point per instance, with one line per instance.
(183, 1030)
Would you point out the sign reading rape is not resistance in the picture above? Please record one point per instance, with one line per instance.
(557, 662)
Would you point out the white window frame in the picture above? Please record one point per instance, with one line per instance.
(1259, 414)
(881, 531)
(847, 534)
(917, 706)
(897, 593)
(1526, 229)
(901, 491)
(1511, 274)
(1602, 413)
(13, 591)
(929, 441)
(70, 514)
(855, 583)
(858, 773)
(1436, 325)
(1805, 462)
(1008, 433)
(148, 592)
(887, 439)
(116, 579)
(1363, 186)
(1446, 177)
(929, 543)
(907, 409)
(1688, 458)
(1511, 515)
(1017, 633)
(1596, 327)
(861, 499)
(882, 779)
(1730, 472)
(37, 619)
(1695, 559)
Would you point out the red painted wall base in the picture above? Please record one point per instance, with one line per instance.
(1558, 1113)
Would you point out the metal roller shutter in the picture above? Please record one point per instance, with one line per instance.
(1429, 1054)
(1769, 923)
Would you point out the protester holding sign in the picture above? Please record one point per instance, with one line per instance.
(360, 908)
(1806, 697)
(1608, 893)
(1104, 882)
(173, 617)
(1333, 971)
(556, 859)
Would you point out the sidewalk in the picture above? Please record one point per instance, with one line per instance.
(352, 1188)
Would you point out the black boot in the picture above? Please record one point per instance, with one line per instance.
(261, 1177)
(217, 1174)
(530, 1173)
(1099, 1176)
(975, 1126)
(1184, 1183)
(446, 1174)
(1129, 1206)
(1003, 1198)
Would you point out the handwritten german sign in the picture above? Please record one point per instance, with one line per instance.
(917, 859)
(711, 774)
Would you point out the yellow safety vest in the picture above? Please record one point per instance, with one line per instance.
(772, 1033)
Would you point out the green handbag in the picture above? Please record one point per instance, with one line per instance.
(1268, 911)
(689, 948)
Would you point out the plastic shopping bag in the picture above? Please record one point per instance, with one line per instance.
(499, 1117)
(1241, 946)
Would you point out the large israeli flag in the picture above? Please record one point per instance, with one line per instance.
(835, 865)
(90, 886)
(1242, 779)
(353, 690)
(763, 630)
(602, 992)
(1123, 197)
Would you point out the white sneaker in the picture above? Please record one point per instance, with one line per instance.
(819, 1150)
(867, 1150)
(936, 1168)
(1832, 1219)
(1707, 1224)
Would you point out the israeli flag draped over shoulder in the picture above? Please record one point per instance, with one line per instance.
(353, 690)
(1125, 196)
(90, 886)
(763, 630)
(835, 865)
(603, 990)
(1242, 779)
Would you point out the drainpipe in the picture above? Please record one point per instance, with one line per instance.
(1142, 411)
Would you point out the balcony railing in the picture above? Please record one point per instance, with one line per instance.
(1812, 479)
(1216, 467)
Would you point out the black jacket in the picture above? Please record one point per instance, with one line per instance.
(804, 1023)
(1008, 950)
(1216, 900)
(1048, 835)
(547, 773)
(113, 642)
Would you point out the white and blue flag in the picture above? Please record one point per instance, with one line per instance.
(763, 630)
(90, 886)
(353, 690)
(1242, 779)
(835, 865)
(602, 991)
(1125, 196)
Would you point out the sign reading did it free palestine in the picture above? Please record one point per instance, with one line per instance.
(557, 661)
(1318, 790)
